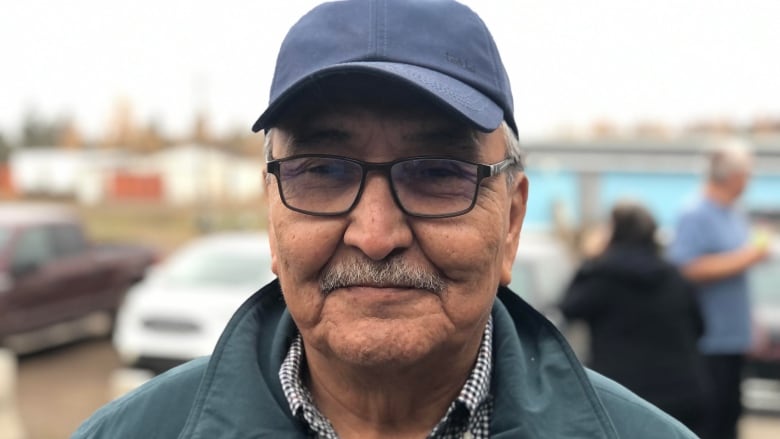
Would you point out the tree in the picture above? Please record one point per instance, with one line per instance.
(243, 142)
(69, 136)
(122, 130)
(5, 149)
(38, 132)
(151, 138)
(201, 133)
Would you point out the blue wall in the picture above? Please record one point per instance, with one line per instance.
(664, 193)
(547, 188)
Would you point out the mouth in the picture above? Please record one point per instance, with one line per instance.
(380, 299)
(376, 287)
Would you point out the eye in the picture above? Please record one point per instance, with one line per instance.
(439, 171)
(319, 167)
(324, 168)
(436, 170)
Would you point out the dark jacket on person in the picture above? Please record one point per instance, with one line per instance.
(644, 325)
(540, 390)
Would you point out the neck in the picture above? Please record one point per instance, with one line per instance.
(719, 194)
(388, 401)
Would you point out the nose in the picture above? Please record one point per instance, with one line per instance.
(377, 226)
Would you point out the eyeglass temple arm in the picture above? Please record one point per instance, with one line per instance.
(502, 166)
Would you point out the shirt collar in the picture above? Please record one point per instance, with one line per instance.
(473, 394)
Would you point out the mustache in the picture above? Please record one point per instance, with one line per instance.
(393, 272)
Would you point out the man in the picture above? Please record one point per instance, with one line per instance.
(396, 198)
(713, 249)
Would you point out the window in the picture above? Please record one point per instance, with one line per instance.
(33, 248)
(5, 236)
(68, 239)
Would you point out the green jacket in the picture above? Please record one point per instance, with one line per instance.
(540, 389)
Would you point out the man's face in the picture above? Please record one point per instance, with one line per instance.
(735, 184)
(738, 182)
(366, 324)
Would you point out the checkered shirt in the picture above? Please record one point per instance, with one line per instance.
(467, 417)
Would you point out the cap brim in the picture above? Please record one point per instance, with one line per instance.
(457, 96)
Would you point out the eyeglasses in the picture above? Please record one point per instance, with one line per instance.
(426, 187)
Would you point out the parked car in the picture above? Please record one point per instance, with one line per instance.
(764, 360)
(55, 285)
(543, 267)
(179, 311)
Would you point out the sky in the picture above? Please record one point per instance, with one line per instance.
(670, 61)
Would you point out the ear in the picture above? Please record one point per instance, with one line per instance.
(270, 225)
(518, 194)
(272, 243)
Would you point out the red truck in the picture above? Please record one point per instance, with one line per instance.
(55, 285)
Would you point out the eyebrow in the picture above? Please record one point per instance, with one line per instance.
(458, 142)
(455, 141)
(316, 137)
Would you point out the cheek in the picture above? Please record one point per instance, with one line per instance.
(300, 246)
(466, 254)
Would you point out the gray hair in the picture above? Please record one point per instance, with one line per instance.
(728, 157)
(513, 151)
(267, 146)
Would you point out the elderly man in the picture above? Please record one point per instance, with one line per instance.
(712, 246)
(396, 198)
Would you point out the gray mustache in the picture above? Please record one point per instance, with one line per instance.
(394, 272)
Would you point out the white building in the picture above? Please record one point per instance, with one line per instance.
(59, 172)
(196, 173)
(189, 173)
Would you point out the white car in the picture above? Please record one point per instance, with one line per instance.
(179, 311)
(543, 267)
(761, 383)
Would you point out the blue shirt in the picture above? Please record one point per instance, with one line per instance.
(707, 228)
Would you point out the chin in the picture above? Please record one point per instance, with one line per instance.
(384, 345)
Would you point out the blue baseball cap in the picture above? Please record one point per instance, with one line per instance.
(438, 47)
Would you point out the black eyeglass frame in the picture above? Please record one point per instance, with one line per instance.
(483, 171)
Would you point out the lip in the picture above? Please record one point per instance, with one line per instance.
(383, 294)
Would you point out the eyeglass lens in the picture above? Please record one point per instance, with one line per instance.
(422, 186)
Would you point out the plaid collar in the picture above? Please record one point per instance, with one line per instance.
(469, 413)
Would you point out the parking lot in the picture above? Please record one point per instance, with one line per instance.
(58, 388)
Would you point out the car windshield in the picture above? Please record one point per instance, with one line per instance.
(765, 282)
(216, 267)
(554, 276)
(522, 283)
(541, 271)
(540, 282)
(5, 236)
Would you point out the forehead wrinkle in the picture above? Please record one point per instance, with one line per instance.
(455, 141)
(306, 140)
(421, 133)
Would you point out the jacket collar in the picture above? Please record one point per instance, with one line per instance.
(540, 388)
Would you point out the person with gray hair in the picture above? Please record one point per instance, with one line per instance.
(396, 196)
(729, 166)
(712, 247)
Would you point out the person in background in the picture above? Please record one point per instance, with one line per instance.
(643, 317)
(712, 246)
(396, 196)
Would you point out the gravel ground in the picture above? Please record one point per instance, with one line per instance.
(59, 388)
